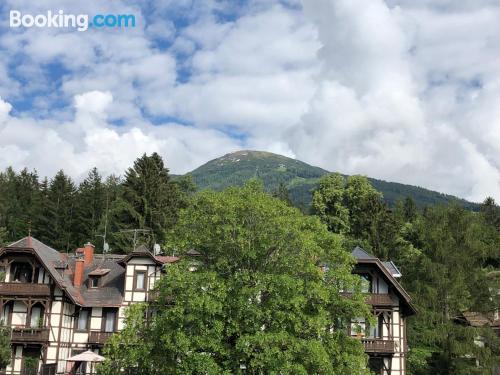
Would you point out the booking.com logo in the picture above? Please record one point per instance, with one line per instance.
(80, 22)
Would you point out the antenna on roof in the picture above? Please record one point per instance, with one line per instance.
(135, 231)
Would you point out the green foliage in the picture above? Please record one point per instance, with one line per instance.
(282, 193)
(300, 178)
(329, 203)
(446, 278)
(418, 361)
(447, 255)
(148, 201)
(354, 208)
(131, 340)
(491, 212)
(5, 350)
(255, 300)
(58, 218)
(90, 207)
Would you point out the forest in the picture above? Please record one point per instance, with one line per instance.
(449, 257)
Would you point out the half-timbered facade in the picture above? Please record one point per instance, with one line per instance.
(384, 338)
(59, 305)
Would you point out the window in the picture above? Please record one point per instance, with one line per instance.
(109, 320)
(375, 330)
(22, 272)
(94, 282)
(366, 283)
(36, 319)
(140, 280)
(6, 318)
(83, 320)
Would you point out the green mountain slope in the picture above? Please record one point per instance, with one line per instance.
(299, 177)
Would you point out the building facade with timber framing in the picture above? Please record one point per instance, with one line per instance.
(385, 341)
(59, 305)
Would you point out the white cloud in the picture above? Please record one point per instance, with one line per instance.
(88, 140)
(392, 79)
(395, 89)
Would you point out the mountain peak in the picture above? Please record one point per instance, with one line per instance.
(250, 154)
(235, 168)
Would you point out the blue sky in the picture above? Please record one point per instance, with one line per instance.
(400, 90)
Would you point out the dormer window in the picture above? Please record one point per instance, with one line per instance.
(94, 282)
(95, 277)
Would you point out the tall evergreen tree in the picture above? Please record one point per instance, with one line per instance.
(446, 280)
(90, 205)
(491, 212)
(60, 216)
(149, 201)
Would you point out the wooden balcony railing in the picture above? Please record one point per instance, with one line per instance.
(379, 299)
(375, 299)
(29, 335)
(380, 346)
(24, 289)
(99, 337)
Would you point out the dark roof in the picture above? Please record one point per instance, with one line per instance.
(360, 254)
(142, 251)
(50, 258)
(477, 319)
(110, 290)
(391, 267)
(61, 266)
(99, 272)
(364, 258)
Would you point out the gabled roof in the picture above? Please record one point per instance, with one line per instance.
(60, 267)
(364, 257)
(360, 254)
(143, 252)
(391, 267)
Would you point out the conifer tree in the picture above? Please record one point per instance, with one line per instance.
(90, 205)
(60, 214)
(149, 201)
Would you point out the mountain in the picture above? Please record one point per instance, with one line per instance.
(300, 178)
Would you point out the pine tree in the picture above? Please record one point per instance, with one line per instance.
(491, 212)
(149, 201)
(90, 205)
(60, 217)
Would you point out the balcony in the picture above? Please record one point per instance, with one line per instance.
(99, 337)
(379, 299)
(24, 289)
(29, 335)
(375, 299)
(378, 346)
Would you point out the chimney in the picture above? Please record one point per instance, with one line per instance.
(88, 254)
(78, 279)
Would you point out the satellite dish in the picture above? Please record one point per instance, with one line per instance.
(105, 247)
(157, 249)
